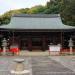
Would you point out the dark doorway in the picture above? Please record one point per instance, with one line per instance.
(24, 44)
(36, 43)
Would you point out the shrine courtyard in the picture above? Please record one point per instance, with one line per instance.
(40, 65)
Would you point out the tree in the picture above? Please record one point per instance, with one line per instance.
(53, 7)
(37, 9)
(68, 12)
(6, 17)
(24, 11)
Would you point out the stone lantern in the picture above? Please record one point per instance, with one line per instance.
(4, 45)
(70, 45)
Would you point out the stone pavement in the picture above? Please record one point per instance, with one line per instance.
(67, 61)
(38, 65)
(32, 53)
(47, 66)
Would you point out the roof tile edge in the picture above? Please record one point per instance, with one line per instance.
(37, 15)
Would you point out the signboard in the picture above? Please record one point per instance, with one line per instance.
(54, 48)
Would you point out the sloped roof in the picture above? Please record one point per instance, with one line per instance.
(36, 22)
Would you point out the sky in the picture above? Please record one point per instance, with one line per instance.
(6, 5)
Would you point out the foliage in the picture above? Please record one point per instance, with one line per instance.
(68, 12)
(24, 11)
(6, 17)
(4, 20)
(53, 7)
(37, 9)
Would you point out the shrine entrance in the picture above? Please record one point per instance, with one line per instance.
(36, 43)
(31, 43)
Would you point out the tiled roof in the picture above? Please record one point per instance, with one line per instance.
(37, 21)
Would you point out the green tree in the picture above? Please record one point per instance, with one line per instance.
(24, 11)
(53, 7)
(6, 17)
(37, 9)
(68, 12)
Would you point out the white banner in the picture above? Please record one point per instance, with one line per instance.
(54, 48)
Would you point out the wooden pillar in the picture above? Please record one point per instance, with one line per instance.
(19, 41)
(29, 43)
(43, 43)
(62, 39)
(13, 38)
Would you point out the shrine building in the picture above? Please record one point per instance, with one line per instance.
(37, 31)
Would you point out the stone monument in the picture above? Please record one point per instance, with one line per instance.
(4, 45)
(70, 45)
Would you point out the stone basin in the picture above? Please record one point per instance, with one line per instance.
(19, 60)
